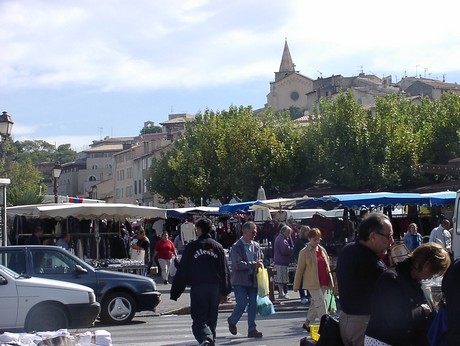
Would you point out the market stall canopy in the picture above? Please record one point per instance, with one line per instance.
(444, 198)
(378, 198)
(114, 211)
(184, 212)
(326, 202)
(279, 203)
(236, 208)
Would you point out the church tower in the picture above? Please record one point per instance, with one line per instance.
(287, 67)
(290, 88)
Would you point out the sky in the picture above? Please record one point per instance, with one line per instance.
(76, 71)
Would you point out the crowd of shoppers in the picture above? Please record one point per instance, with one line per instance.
(379, 304)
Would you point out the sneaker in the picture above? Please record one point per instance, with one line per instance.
(304, 301)
(254, 334)
(206, 343)
(283, 296)
(166, 282)
(232, 327)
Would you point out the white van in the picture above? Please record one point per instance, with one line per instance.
(37, 305)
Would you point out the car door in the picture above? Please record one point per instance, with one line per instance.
(8, 302)
(49, 263)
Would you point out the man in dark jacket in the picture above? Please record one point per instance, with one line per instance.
(34, 239)
(204, 268)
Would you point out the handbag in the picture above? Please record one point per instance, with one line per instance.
(329, 332)
(263, 287)
(330, 301)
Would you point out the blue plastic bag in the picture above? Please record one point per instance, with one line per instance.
(265, 306)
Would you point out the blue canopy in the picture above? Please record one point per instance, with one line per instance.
(236, 208)
(326, 202)
(441, 198)
(366, 199)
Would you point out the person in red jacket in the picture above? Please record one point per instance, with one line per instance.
(166, 251)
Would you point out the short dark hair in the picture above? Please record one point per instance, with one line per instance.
(247, 226)
(372, 222)
(205, 225)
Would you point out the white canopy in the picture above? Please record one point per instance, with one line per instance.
(58, 211)
(279, 203)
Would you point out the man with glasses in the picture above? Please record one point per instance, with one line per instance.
(246, 256)
(358, 268)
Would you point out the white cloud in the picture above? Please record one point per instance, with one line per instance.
(77, 55)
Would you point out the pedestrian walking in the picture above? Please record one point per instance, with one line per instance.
(281, 259)
(299, 244)
(358, 268)
(204, 268)
(165, 250)
(247, 257)
(314, 273)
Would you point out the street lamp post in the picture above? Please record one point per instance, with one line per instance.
(6, 125)
(56, 174)
(3, 183)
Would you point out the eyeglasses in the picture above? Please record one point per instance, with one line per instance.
(388, 236)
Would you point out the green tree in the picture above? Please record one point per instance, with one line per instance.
(344, 154)
(229, 153)
(25, 183)
(151, 129)
(40, 151)
(64, 154)
(393, 140)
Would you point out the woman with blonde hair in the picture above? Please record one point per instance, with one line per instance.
(401, 314)
(313, 270)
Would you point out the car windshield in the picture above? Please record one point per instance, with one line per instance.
(9, 271)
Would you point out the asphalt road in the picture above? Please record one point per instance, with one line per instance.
(282, 328)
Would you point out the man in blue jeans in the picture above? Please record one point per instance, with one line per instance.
(246, 257)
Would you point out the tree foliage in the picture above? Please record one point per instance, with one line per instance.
(150, 129)
(40, 151)
(231, 153)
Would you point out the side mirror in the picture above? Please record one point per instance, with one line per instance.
(80, 270)
(3, 281)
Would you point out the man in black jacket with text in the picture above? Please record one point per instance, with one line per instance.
(204, 268)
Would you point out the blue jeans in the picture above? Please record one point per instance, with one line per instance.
(245, 296)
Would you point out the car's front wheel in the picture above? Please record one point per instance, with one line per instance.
(118, 308)
(46, 317)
